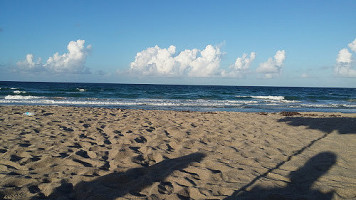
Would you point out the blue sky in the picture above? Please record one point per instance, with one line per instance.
(275, 43)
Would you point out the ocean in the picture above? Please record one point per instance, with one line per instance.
(180, 97)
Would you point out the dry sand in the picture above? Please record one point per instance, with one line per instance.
(98, 153)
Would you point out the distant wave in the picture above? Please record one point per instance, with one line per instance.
(135, 102)
(20, 97)
(19, 92)
(158, 103)
(328, 106)
(277, 98)
(270, 98)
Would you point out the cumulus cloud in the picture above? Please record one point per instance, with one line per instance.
(272, 67)
(29, 64)
(155, 61)
(344, 63)
(352, 45)
(71, 62)
(344, 56)
(241, 66)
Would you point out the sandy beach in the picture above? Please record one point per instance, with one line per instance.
(99, 153)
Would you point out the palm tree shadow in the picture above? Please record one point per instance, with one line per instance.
(344, 125)
(114, 185)
(300, 183)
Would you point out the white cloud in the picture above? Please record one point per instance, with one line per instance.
(207, 64)
(279, 57)
(272, 67)
(71, 62)
(344, 56)
(155, 61)
(241, 66)
(352, 45)
(29, 64)
(344, 64)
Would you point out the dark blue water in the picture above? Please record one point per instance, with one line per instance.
(180, 97)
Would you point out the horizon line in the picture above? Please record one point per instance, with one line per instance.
(179, 84)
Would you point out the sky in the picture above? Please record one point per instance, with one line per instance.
(308, 43)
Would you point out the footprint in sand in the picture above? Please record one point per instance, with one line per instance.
(118, 133)
(135, 149)
(107, 141)
(35, 158)
(3, 150)
(165, 188)
(167, 134)
(86, 125)
(140, 139)
(106, 166)
(25, 144)
(140, 160)
(15, 158)
(66, 129)
(63, 155)
(169, 148)
(85, 164)
(82, 153)
(150, 129)
(106, 155)
(76, 145)
(34, 189)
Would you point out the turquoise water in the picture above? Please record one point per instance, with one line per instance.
(180, 97)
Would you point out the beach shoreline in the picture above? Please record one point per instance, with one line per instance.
(111, 153)
(180, 97)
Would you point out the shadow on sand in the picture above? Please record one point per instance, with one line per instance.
(344, 125)
(134, 180)
(300, 185)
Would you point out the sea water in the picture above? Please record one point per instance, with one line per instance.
(180, 97)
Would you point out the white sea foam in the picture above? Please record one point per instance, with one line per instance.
(141, 102)
(19, 97)
(239, 96)
(160, 103)
(81, 89)
(19, 92)
(328, 105)
(276, 98)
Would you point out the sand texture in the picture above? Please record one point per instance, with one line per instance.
(97, 153)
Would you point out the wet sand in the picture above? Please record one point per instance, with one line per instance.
(99, 153)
